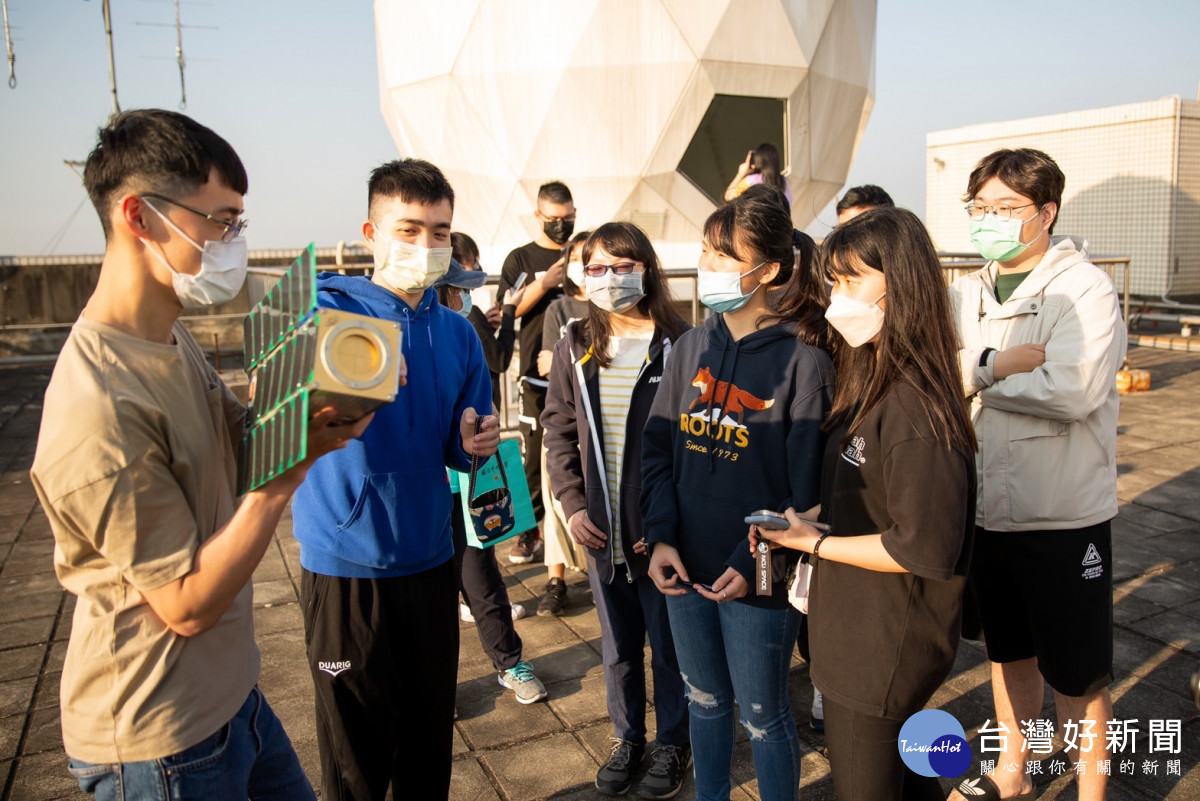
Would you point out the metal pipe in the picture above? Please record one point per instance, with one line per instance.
(12, 58)
(1183, 319)
(1172, 256)
(1179, 307)
(112, 63)
(14, 361)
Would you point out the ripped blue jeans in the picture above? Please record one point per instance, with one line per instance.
(732, 651)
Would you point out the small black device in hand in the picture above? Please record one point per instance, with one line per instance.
(693, 584)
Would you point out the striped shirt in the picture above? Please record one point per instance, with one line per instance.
(616, 392)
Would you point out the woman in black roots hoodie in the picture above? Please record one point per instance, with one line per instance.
(736, 427)
(603, 379)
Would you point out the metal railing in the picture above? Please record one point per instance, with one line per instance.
(682, 281)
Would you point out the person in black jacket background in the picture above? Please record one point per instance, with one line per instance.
(479, 580)
(496, 326)
(602, 382)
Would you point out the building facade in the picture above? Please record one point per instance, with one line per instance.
(1132, 189)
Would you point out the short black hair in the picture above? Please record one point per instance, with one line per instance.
(154, 150)
(1030, 172)
(554, 192)
(867, 196)
(411, 180)
(463, 246)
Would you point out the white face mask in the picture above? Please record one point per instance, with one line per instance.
(410, 268)
(856, 321)
(615, 293)
(575, 272)
(222, 269)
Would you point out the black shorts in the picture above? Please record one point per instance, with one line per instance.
(1048, 594)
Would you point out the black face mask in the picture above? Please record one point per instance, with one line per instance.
(559, 231)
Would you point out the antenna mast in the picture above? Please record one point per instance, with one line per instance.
(112, 64)
(179, 58)
(12, 58)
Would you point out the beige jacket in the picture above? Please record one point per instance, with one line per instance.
(1047, 438)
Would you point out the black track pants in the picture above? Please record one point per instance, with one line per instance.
(384, 661)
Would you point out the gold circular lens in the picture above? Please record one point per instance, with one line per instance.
(355, 354)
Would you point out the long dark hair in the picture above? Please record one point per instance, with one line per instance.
(769, 165)
(918, 343)
(754, 228)
(626, 241)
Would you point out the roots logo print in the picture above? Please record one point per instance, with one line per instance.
(729, 401)
(933, 743)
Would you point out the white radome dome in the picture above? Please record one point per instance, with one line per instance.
(609, 95)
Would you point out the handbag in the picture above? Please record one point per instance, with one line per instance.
(491, 511)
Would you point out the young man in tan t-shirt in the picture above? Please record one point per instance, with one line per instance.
(136, 469)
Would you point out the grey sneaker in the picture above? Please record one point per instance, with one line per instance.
(520, 680)
(616, 777)
(668, 766)
(555, 599)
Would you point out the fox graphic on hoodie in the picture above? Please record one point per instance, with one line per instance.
(735, 427)
(381, 506)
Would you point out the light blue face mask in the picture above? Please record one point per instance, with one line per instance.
(465, 297)
(722, 292)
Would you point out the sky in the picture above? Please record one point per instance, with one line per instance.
(294, 87)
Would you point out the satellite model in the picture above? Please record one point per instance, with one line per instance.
(302, 358)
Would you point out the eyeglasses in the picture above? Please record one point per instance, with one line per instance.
(978, 211)
(620, 268)
(233, 228)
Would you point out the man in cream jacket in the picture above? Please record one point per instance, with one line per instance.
(1042, 340)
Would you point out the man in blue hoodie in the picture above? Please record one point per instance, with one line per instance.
(379, 587)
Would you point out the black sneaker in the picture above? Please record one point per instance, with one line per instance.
(555, 599)
(668, 766)
(616, 777)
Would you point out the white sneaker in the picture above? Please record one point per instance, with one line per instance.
(464, 612)
(817, 720)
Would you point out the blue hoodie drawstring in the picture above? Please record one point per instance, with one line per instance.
(407, 317)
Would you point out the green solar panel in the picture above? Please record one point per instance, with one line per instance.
(279, 354)
(289, 303)
(302, 359)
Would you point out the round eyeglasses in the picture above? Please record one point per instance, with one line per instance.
(233, 228)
